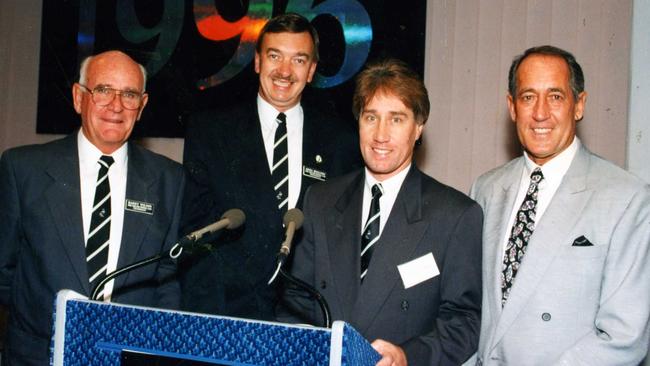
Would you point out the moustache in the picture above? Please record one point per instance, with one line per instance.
(290, 78)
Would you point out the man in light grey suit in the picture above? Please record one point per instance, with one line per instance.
(566, 273)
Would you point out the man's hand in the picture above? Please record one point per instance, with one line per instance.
(391, 355)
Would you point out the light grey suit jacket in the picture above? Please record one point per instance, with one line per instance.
(570, 304)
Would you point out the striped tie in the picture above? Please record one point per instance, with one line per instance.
(280, 169)
(371, 230)
(100, 226)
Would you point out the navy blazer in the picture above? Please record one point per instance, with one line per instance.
(42, 240)
(227, 168)
(435, 321)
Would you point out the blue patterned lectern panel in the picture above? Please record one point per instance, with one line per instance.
(93, 333)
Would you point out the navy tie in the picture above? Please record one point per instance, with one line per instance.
(371, 230)
(100, 226)
(280, 169)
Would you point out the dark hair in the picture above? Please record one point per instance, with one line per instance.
(394, 77)
(289, 23)
(576, 77)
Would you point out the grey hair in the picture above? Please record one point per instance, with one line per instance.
(83, 70)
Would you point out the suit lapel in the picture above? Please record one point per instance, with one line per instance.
(343, 239)
(549, 236)
(64, 200)
(497, 214)
(400, 237)
(246, 152)
(312, 153)
(134, 229)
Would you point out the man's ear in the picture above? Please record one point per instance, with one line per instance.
(257, 62)
(77, 97)
(145, 99)
(579, 109)
(312, 70)
(511, 108)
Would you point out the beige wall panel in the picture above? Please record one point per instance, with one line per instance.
(488, 90)
(462, 90)
(538, 21)
(609, 103)
(433, 154)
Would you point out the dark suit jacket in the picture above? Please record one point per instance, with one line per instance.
(227, 168)
(42, 241)
(436, 322)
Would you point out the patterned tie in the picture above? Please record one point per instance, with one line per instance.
(371, 230)
(100, 225)
(280, 170)
(521, 232)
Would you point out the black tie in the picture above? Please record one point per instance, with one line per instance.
(100, 225)
(371, 230)
(522, 229)
(280, 170)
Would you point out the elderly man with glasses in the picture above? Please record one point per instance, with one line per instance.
(75, 209)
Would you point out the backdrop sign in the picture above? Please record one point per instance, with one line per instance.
(199, 54)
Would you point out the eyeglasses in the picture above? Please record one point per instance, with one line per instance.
(103, 96)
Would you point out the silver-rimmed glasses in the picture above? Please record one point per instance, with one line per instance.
(103, 96)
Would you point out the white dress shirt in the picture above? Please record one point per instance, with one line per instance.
(88, 170)
(295, 118)
(553, 172)
(391, 187)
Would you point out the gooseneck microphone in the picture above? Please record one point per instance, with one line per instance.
(231, 219)
(292, 221)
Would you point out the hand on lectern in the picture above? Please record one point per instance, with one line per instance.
(391, 355)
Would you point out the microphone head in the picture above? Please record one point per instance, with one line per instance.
(294, 215)
(236, 218)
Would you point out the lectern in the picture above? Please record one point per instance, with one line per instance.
(96, 333)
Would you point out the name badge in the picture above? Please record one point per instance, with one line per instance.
(314, 173)
(139, 207)
(418, 270)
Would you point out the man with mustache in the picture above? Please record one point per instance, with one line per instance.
(259, 156)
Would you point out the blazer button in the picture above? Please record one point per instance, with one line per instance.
(323, 285)
(404, 305)
(546, 317)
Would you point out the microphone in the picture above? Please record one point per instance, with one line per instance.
(231, 219)
(292, 220)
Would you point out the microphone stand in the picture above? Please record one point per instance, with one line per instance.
(178, 247)
(128, 268)
(314, 293)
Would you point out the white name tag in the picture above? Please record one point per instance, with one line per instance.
(418, 270)
(314, 173)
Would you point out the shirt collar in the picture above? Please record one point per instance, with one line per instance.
(392, 184)
(89, 154)
(268, 113)
(555, 168)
